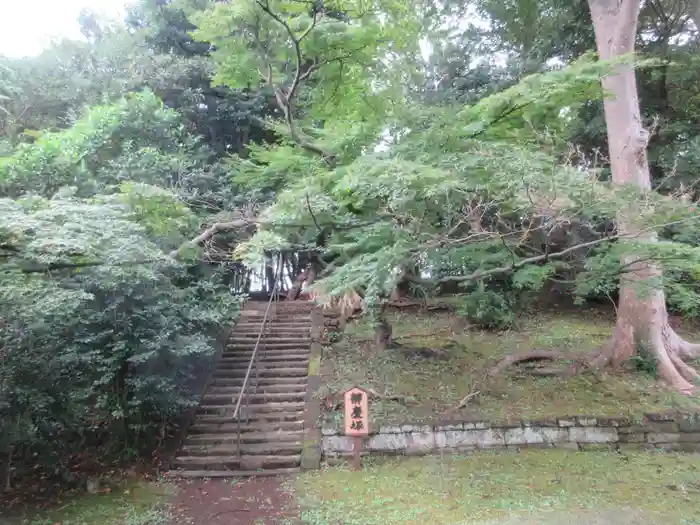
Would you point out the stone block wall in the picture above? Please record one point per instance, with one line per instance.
(678, 431)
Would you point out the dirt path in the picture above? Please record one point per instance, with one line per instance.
(253, 501)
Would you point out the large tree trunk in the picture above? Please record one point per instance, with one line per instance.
(642, 317)
(304, 279)
(297, 284)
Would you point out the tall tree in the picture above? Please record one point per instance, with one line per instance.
(642, 316)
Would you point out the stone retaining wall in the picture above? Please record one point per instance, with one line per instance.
(665, 431)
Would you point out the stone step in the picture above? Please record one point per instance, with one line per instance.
(219, 398)
(272, 326)
(265, 372)
(277, 448)
(278, 351)
(259, 420)
(223, 474)
(261, 389)
(270, 333)
(256, 323)
(264, 357)
(249, 346)
(281, 303)
(286, 347)
(269, 336)
(287, 407)
(233, 462)
(248, 339)
(255, 396)
(261, 368)
(261, 365)
(246, 437)
(252, 316)
(297, 355)
(231, 427)
(262, 381)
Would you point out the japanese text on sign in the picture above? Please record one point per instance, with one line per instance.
(356, 412)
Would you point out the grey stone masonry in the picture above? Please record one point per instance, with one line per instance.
(672, 431)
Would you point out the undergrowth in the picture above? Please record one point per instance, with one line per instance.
(432, 386)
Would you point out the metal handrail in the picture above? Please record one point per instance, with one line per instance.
(274, 296)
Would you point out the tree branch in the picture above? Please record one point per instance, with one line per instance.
(209, 233)
(480, 274)
(285, 101)
(221, 227)
(46, 268)
(313, 216)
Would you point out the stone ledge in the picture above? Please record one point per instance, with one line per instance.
(659, 431)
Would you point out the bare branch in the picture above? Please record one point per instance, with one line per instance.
(209, 233)
(480, 274)
(311, 212)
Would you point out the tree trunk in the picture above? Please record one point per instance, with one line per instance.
(642, 319)
(306, 277)
(382, 330)
(295, 290)
(269, 278)
(402, 289)
(694, 13)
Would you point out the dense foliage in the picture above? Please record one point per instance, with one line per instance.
(104, 336)
(101, 327)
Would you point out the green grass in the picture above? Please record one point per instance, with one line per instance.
(434, 386)
(530, 487)
(136, 503)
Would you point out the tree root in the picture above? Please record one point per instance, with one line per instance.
(334, 402)
(390, 397)
(592, 362)
(465, 400)
(685, 370)
(685, 350)
(422, 352)
(525, 357)
(668, 349)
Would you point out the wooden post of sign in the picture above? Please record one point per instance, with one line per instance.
(356, 401)
(357, 453)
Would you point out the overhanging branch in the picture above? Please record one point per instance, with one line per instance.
(209, 233)
(480, 274)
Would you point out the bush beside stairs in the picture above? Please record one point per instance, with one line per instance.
(272, 423)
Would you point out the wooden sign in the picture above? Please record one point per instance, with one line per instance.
(356, 412)
(356, 420)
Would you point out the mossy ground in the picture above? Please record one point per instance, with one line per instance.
(529, 487)
(434, 386)
(133, 503)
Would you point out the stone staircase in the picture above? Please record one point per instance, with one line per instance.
(272, 414)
